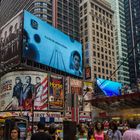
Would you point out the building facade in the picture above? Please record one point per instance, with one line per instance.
(97, 36)
(62, 14)
(132, 13)
(120, 41)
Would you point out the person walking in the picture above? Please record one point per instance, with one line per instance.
(99, 132)
(15, 133)
(41, 135)
(52, 132)
(132, 133)
(113, 132)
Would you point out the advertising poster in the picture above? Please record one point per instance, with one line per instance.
(88, 72)
(18, 90)
(88, 91)
(88, 94)
(56, 96)
(76, 88)
(47, 45)
(10, 39)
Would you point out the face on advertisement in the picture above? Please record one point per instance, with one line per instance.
(76, 60)
(38, 80)
(17, 80)
(28, 79)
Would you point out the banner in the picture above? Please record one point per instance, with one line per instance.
(10, 39)
(87, 72)
(18, 90)
(88, 94)
(88, 91)
(56, 96)
(76, 88)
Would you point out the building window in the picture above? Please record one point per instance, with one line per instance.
(99, 69)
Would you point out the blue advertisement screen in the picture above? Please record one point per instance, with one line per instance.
(109, 88)
(47, 45)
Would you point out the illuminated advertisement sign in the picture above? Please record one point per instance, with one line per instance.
(88, 90)
(88, 72)
(49, 46)
(19, 89)
(109, 88)
(76, 88)
(56, 96)
(88, 94)
(10, 39)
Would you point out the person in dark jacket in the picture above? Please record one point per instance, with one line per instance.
(41, 135)
(52, 132)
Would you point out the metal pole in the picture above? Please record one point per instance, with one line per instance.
(32, 115)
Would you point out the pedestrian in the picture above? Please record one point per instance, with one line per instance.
(52, 132)
(132, 133)
(15, 133)
(1, 132)
(82, 133)
(99, 131)
(41, 135)
(113, 132)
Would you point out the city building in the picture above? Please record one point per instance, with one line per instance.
(62, 14)
(120, 41)
(97, 36)
(132, 13)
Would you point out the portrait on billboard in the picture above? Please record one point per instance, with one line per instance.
(75, 63)
(47, 45)
(56, 96)
(19, 90)
(10, 37)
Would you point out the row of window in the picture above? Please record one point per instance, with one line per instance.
(104, 77)
(102, 56)
(99, 41)
(102, 11)
(103, 70)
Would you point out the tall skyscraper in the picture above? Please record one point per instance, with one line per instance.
(62, 14)
(120, 40)
(97, 36)
(132, 13)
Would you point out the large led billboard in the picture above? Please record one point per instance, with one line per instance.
(10, 39)
(109, 88)
(18, 90)
(47, 45)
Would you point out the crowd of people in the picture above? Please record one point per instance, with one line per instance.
(113, 131)
(98, 130)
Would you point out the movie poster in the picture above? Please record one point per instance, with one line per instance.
(10, 39)
(56, 96)
(24, 90)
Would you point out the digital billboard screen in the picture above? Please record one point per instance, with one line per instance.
(47, 45)
(110, 88)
